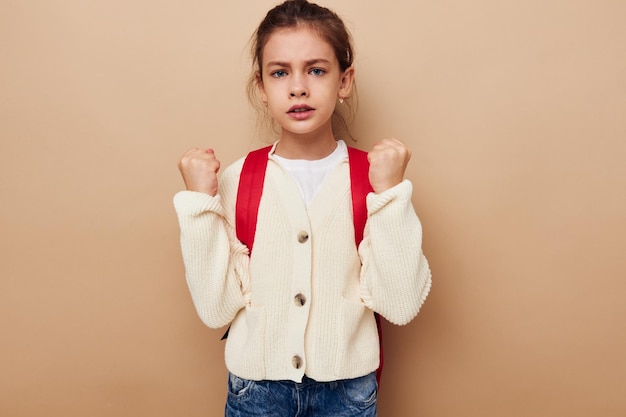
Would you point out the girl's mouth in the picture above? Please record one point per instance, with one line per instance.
(300, 111)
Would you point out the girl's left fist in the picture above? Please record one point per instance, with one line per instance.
(388, 160)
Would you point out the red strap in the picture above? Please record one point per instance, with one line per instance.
(249, 194)
(360, 187)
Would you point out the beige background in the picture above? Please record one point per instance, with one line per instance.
(515, 111)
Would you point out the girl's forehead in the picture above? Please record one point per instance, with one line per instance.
(299, 43)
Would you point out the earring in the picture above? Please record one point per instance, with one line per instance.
(340, 100)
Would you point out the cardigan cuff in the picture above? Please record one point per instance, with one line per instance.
(402, 191)
(192, 203)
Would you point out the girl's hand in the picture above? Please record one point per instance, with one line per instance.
(388, 160)
(199, 170)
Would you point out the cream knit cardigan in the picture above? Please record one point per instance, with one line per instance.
(303, 302)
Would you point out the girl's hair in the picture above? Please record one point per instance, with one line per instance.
(330, 27)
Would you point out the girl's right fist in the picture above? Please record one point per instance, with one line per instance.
(199, 170)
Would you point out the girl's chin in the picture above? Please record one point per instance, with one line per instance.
(294, 132)
(306, 127)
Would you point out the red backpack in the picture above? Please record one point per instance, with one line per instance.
(249, 197)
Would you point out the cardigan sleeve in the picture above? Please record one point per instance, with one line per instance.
(395, 276)
(216, 263)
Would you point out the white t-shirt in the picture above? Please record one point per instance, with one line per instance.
(309, 175)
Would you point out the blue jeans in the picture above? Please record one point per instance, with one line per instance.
(343, 398)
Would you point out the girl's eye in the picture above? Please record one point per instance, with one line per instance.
(317, 71)
(278, 74)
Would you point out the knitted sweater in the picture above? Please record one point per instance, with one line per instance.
(303, 302)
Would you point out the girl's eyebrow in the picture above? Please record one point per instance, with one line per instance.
(306, 63)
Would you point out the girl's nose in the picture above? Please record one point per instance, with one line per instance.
(298, 92)
(298, 89)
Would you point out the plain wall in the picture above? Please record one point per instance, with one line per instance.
(515, 112)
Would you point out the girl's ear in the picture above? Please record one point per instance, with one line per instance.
(261, 87)
(347, 79)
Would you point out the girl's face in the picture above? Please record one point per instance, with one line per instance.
(300, 81)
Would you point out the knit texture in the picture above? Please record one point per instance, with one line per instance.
(333, 333)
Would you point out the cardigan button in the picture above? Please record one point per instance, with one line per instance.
(296, 361)
(303, 237)
(299, 299)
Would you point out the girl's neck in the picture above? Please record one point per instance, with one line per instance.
(308, 147)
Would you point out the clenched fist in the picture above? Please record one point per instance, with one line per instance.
(199, 170)
(388, 160)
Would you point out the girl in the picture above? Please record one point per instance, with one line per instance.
(303, 339)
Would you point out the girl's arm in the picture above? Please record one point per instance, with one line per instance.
(395, 277)
(216, 263)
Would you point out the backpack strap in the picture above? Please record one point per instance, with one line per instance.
(249, 194)
(360, 187)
